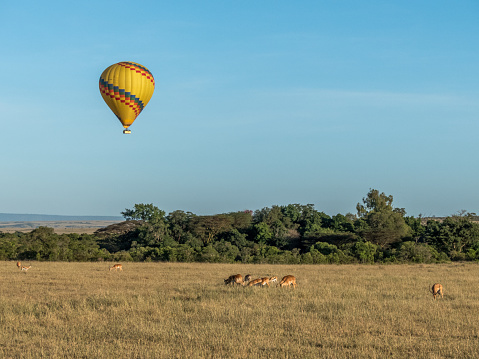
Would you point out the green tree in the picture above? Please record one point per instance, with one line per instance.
(240, 220)
(325, 248)
(154, 231)
(342, 223)
(312, 220)
(208, 227)
(417, 229)
(454, 235)
(43, 242)
(263, 233)
(374, 201)
(8, 246)
(293, 214)
(178, 223)
(237, 238)
(185, 253)
(227, 251)
(385, 224)
(144, 212)
(83, 248)
(209, 254)
(154, 235)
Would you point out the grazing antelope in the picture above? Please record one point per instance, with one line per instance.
(116, 267)
(260, 282)
(247, 278)
(24, 269)
(266, 281)
(288, 280)
(19, 265)
(437, 290)
(254, 282)
(235, 279)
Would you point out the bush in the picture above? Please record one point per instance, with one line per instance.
(365, 251)
(185, 253)
(8, 247)
(209, 254)
(417, 253)
(122, 256)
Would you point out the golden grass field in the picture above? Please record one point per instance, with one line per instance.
(174, 310)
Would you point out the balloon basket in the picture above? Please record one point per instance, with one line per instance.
(127, 131)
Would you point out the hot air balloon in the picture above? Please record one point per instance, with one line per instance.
(127, 88)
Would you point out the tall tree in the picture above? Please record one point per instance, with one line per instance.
(144, 212)
(178, 223)
(374, 201)
(154, 231)
(384, 223)
(208, 227)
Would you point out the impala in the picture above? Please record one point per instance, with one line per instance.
(260, 282)
(288, 280)
(116, 267)
(235, 279)
(437, 290)
(266, 280)
(254, 282)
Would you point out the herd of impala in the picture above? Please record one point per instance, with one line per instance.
(290, 280)
(287, 281)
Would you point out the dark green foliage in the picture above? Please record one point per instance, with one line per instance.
(263, 233)
(290, 234)
(365, 251)
(9, 245)
(417, 229)
(144, 212)
(45, 245)
(382, 224)
(208, 227)
(119, 237)
(227, 251)
(237, 238)
(178, 224)
(455, 235)
(417, 253)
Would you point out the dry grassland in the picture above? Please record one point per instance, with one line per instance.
(60, 227)
(173, 310)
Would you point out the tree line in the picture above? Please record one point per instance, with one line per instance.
(289, 234)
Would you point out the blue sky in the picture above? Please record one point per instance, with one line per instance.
(257, 103)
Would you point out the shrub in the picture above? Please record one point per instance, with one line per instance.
(417, 253)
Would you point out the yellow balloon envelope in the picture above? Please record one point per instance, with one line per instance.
(127, 88)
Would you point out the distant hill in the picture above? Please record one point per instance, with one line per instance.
(14, 217)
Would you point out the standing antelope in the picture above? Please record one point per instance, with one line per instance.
(19, 265)
(288, 280)
(247, 278)
(437, 290)
(116, 267)
(24, 269)
(235, 279)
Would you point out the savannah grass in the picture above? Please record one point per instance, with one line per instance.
(176, 310)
